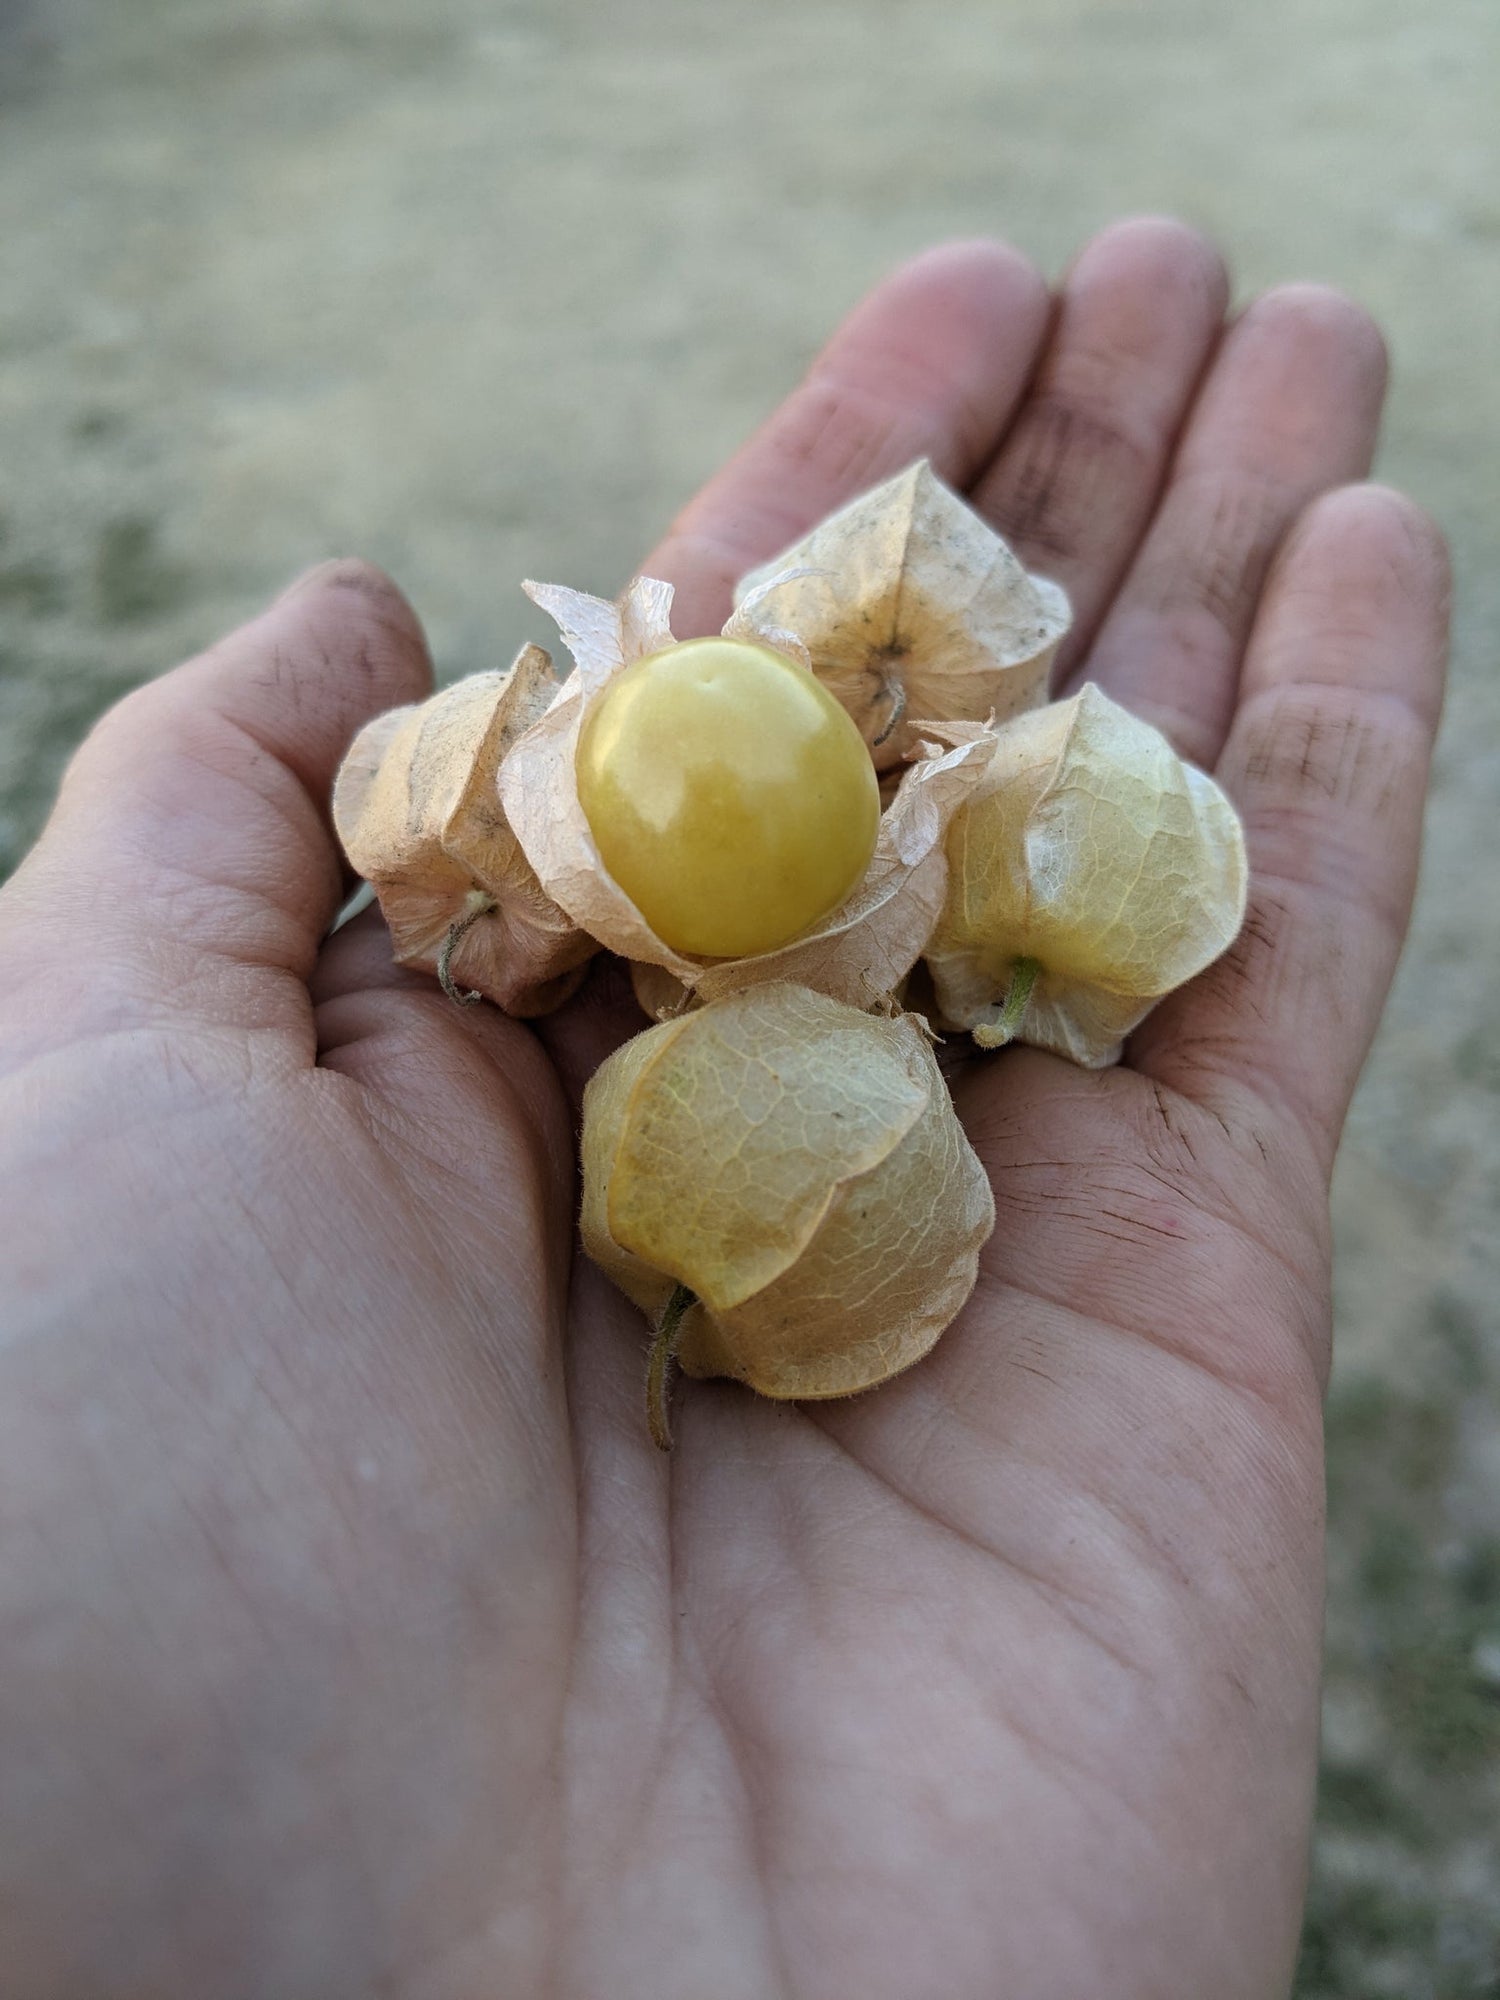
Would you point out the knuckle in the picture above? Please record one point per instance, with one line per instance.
(1072, 459)
(1231, 525)
(1253, 963)
(1340, 744)
(1330, 781)
(847, 434)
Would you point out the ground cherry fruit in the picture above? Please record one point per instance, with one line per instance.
(729, 795)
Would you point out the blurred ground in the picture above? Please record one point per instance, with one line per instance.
(483, 288)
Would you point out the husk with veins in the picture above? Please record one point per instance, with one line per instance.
(1092, 851)
(857, 954)
(416, 807)
(799, 1167)
(911, 609)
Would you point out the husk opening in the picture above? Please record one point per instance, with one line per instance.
(912, 610)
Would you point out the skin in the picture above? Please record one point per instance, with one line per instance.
(356, 1638)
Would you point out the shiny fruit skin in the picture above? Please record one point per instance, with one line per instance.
(729, 795)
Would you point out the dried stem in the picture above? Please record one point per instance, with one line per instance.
(1002, 1024)
(478, 905)
(659, 1368)
(896, 689)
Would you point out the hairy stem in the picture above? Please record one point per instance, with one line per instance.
(477, 905)
(1002, 1024)
(659, 1368)
(896, 689)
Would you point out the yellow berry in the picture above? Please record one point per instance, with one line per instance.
(729, 795)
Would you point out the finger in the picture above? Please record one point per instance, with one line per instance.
(190, 844)
(1075, 480)
(1290, 408)
(1327, 761)
(930, 365)
(379, 1022)
(358, 958)
(446, 1072)
(363, 1000)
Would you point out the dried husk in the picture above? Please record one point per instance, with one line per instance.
(857, 953)
(911, 608)
(799, 1167)
(1093, 851)
(416, 807)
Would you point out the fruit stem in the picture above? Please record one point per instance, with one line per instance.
(1001, 1024)
(659, 1368)
(897, 691)
(477, 905)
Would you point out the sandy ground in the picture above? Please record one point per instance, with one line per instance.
(483, 290)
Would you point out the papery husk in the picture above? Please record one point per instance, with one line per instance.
(416, 807)
(799, 1167)
(857, 953)
(1091, 849)
(912, 608)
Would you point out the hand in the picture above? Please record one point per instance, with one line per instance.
(356, 1639)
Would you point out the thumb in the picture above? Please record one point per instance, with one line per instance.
(189, 865)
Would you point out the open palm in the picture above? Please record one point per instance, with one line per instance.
(357, 1640)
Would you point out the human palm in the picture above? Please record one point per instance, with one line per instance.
(357, 1639)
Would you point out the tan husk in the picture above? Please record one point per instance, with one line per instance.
(1093, 852)
(857, 953)
(911, 608)
(416, 807)
(799, 1167)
